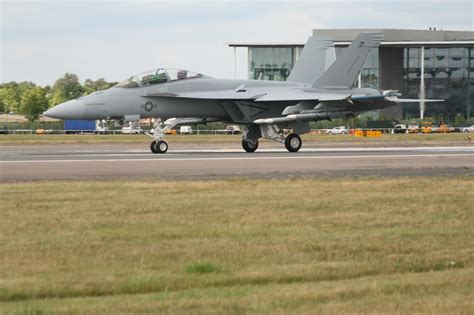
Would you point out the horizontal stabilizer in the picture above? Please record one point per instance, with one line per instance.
(409, 100)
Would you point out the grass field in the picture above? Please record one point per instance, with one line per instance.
(360, 246)
(98, 139)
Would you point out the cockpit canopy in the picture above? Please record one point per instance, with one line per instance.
(159, 76)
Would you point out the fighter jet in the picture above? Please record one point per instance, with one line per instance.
(315, 90)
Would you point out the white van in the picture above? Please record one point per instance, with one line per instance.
(131, 128)
(185, 130)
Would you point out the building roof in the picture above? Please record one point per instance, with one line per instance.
(392, 38)
(398, 35)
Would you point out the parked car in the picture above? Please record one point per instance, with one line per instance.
(131, 129)
(413, 129)
(102, 130)
(185, 130)
(468, 129)
(170, 132)
(341, 130)
(445, 129)
(231, 129)
(400, 128)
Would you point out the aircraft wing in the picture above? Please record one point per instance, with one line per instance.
(280, 95)
(212, 95)
(299, 95)
(257, 95)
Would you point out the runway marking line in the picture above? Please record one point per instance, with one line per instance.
(239, 158)
(303, 150)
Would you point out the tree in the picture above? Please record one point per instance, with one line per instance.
(33, 103)
(2, 104)
(91, 86)
(9, 99)
(56, 97)
(459, 120)
(66, 88)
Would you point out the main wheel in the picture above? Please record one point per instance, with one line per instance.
(249, 146)
(293, 142)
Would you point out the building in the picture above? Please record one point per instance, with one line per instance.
(419, 63)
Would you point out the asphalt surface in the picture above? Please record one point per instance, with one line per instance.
(120, 161)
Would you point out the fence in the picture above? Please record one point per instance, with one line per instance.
(108, 132)
(196, 132)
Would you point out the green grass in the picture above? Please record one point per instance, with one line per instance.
(128, 139)
(392, 246)
(202, 267)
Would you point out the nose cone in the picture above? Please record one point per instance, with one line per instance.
(73, 109)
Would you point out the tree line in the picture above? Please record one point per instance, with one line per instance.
(31, 100)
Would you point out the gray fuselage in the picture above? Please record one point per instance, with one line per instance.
(141, 102)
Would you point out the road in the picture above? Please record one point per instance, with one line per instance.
(29, 163)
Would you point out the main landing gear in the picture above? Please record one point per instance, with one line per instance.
(252, 133)
(293, 142)
(249, 145)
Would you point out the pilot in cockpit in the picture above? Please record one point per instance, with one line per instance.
(182, 74)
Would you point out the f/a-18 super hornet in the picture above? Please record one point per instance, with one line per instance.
(312, 92)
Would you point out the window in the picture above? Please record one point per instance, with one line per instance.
(158, 76)
(441, 57)
(270, 63)
(153, 77)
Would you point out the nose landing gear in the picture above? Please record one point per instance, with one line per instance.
(159, 146)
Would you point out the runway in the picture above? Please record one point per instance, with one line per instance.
(27, 163)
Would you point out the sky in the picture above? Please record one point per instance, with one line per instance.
(41, 40)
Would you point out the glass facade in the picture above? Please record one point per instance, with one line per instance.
(275, 63)
(370, 70)
(448, 74)
(271, 63)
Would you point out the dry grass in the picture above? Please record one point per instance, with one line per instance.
(451, 138)
(238, 246)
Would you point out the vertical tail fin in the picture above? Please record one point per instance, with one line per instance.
(344, 71)
(316, 57)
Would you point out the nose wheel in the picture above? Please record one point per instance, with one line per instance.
(159, 146)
